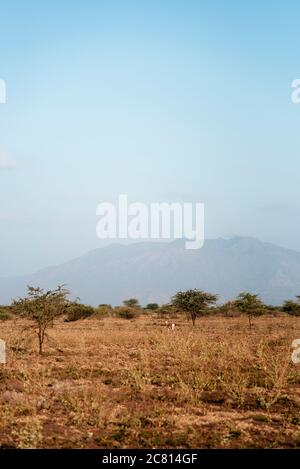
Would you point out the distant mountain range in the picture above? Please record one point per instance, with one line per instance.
(153, 272)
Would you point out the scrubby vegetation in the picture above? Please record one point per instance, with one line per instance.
(292, 307)
(152, 306)
(126, 312)
(113, 383)
(43, 308)
(5, 313)
(78, 311)
(116, 377)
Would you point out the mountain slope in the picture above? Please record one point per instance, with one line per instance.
(155, 271)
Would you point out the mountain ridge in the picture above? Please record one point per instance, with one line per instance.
(154, 271)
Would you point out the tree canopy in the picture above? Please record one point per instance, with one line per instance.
(194, 302)
(42, 308)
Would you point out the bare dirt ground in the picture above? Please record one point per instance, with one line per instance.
(131, 384)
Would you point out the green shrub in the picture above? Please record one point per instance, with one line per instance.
(292, 308)
(79, 311)
(229, 309)
(103, 311)
(126, 312)
(167, 311)
(152, 306)
(5, 314)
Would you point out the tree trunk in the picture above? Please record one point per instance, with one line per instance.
(41, 335)
(40, 345)
(250, 322)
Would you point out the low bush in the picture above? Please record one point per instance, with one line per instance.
(79, 311)
(5, 314)
(103, 311)
(291, 307)
(126, 312)
(152, 306)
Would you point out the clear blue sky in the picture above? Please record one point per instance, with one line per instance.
(163, 100)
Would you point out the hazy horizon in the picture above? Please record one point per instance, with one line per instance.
(126, 243)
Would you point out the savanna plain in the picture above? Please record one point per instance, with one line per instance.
(117, 383)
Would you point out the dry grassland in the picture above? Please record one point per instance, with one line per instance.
(130, 384)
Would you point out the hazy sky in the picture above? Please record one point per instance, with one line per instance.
(162, 100)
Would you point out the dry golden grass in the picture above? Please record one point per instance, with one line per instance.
(123, 384)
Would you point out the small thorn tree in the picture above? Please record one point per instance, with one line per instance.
(132, 303)
(42, 308)
(194, 303)
(251, 305)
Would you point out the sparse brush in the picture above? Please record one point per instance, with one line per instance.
(127, 384)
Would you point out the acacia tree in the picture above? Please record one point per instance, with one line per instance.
(292, 307)
(250, 304)
(194, 302)
(132, 303)
(152, 306)
(42, 308)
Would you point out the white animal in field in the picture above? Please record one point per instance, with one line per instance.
(2, 351)
(170, 327)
